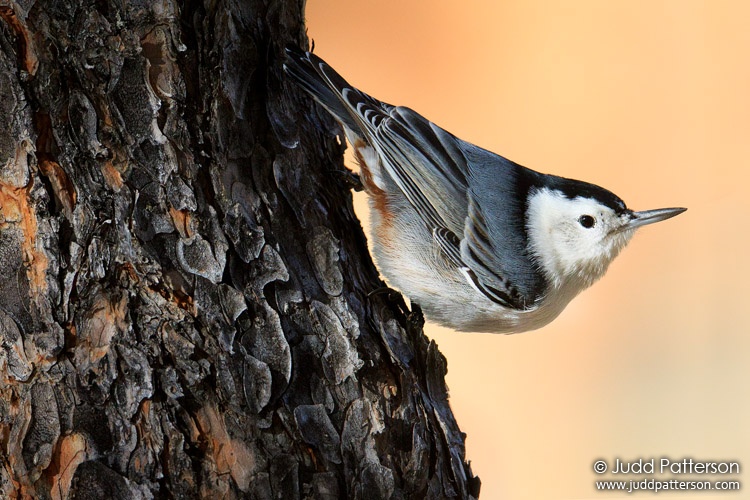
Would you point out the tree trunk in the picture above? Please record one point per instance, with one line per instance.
(184, 307)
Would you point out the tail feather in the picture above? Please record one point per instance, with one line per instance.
(352, 107)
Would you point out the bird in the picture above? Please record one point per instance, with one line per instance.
(479, 242)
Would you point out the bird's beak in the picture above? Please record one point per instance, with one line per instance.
(645, 217)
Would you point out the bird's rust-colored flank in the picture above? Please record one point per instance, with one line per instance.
(383, 225)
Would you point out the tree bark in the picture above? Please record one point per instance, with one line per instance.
(184, 307)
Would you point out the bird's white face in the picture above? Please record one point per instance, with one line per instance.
(575, 238)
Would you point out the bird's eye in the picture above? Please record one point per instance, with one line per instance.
(586, 221)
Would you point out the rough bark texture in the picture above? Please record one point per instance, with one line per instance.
(183, 284)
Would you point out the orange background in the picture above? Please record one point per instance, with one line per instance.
(650, 99)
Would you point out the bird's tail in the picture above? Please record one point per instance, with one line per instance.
(327, 87)
(319, 80)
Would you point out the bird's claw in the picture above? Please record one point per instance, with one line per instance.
(392, 296)
(414, 317)
(350, 179)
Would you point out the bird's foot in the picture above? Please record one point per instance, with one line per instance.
(392, 296)
(350, 179)
(415, 319)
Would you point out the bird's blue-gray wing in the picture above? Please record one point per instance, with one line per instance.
(458, 189)
(495, 243)
(427, 165)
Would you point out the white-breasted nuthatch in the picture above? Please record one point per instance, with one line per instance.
(479, 242)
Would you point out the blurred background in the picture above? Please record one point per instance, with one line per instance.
(650, 99)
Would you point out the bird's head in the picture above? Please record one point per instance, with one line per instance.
(576, 229)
